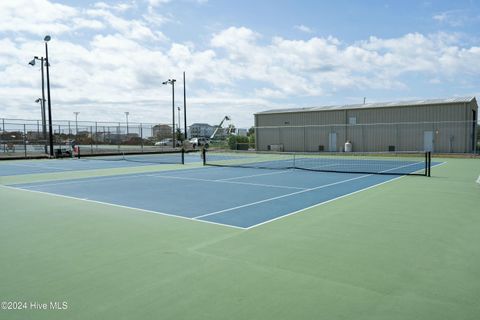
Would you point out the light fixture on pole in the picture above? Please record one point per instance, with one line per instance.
(126, 115)
(76, 113)
(42, 100)
(172, 82)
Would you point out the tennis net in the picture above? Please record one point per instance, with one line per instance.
(164, 157)
(387, 163)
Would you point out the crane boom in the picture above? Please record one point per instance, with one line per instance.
(226, 118)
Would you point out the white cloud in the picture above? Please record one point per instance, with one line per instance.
(235, 39)
(35, 17)
(120, 7)
(455, 18)
(238, 71)
(155, 18)
(303, 28)
(155, 3)
(134, 29)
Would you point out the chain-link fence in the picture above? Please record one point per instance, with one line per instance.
(29, 138)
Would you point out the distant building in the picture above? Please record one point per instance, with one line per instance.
(161, 131)
(198, 130)
(241, 132)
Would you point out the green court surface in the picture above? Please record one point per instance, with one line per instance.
(406, 249)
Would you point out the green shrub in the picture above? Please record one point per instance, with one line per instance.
(238, 142)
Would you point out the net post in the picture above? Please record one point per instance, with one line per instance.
(204, 158)
(183, 155)
(429, 162)
(425, 173)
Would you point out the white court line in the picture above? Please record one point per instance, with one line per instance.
(196, 218)
(339, 197)
(298, 192)
(121, 206)
(322, 203)
(279, 197)
(229, 182)
(81, 180)
(254, 175)
(37, 166)
(478, 180)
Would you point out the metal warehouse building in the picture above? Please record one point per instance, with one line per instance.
(440, 125)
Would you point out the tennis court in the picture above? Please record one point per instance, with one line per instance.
(291, 240)
(230, 195)
(21, 167)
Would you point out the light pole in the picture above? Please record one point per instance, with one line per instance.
(47, 64)
(126, 115)
(76, 113)
(184, 106)
(44, 121)
(172, 82)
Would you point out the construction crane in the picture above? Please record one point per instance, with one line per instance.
(226, 118)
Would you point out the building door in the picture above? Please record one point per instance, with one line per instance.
(332, 142)
(428, 141)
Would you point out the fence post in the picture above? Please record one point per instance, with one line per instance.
(96, 136)
(59, 135)
(119, 132)
(141, 135)
(25, 140)
(91, 140)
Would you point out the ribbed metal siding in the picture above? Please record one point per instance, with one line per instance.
(447, 137)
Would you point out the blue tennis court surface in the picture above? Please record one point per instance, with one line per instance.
(236, 197)
(19, 167)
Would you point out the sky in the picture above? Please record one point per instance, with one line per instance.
(239, 57)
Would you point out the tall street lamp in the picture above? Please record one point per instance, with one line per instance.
(50, 126)
(42, 100)
(172, 82)
(76, 113)
(184, 106)
(126, 115)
